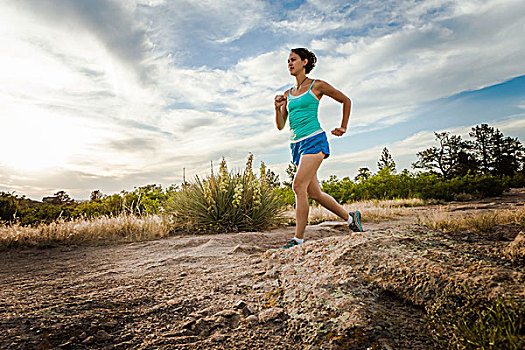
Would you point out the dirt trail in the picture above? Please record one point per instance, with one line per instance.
(184, 292)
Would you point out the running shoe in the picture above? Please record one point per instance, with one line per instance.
(356, 221)
(290, 244)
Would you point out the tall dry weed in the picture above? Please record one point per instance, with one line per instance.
(482, 222)
(371, 210)
(121, 228)
(459, 319)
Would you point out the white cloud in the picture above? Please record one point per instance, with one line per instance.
(189, 24)
(513, 126)
(400, 70)
(111, 23)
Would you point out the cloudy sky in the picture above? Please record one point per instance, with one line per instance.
(110, 95)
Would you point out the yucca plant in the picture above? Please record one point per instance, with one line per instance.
(227, 202)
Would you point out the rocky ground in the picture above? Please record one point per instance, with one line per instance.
(238, 291)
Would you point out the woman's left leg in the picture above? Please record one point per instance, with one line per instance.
(327, 201)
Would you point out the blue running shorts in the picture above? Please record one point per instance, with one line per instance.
(312, 145)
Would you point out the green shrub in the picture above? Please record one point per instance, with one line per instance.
(518, 180)
(385, 185)
(8, 206)
(286, 194)
(227, 202)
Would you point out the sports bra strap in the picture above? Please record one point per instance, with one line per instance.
(310, 88)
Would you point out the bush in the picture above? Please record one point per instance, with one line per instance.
(518, 180)
(343, 191)
(227, 202)
(385, 185)
(286, 194)
(8, 206)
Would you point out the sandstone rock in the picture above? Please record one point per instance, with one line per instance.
(45, 344)
(218, 338)
(103, 335)
(203, 312)
(242, 248)
(67, 344)
(188, 324)
(259, 286)
(220, 321)
(226, 313)
(270, 314)
(252, 319)
(246, 311)
(89, 340)
(240, 304)
(516, 249)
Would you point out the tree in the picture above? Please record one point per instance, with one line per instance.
(466, 160)
(272, 179)
(96, 195)
(362, 174)
(8, 206)
(496, 154)
(290, 171)
(63, 197)
(445, 159)
(483, 135)
(506, 154)
(386, 161)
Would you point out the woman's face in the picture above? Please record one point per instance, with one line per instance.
(295, 64)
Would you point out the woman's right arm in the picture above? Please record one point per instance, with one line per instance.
(281, 112)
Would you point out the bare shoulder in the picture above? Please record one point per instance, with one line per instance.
(323, 88)
(321, 85)
(320, 88)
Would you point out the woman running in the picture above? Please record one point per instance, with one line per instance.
(308, 140)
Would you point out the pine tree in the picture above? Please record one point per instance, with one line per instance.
(483, 135)
(290, 171)
(272, 179)
(506, 154)
(63, 197)
(496, 154)
(96, 195)
(362, 174)
(386, 161)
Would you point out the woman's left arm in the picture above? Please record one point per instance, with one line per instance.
(323, 88)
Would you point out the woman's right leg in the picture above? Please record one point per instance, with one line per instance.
(315, 193)
(306, 172)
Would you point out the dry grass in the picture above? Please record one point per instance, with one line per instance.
(122, 228)
(372, 210)
(482, 222)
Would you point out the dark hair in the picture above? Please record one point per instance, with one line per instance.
(306, 54)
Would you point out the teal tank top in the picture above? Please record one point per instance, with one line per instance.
(302, 112)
